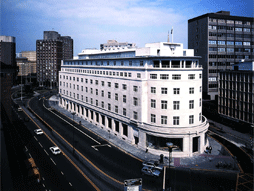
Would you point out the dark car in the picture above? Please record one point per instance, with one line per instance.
(150, 171)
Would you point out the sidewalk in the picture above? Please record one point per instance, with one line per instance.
(199, 161)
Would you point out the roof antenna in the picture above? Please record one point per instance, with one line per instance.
(168, 36)
(172, 33)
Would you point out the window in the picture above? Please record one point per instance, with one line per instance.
(124, 87)
(176, 90)
(135, 115)
(124, 98)
(91, 89)
(82, 88)
(109, 95)
(176, 105)
(91, 100)
(86, 80)
(116, 96)
(96, 102)
(86, 99)
(124, 111)
(141, 63)
(176, 77)
(164, 76)
(200, 89)
(238, 29)
(230, 42)
(91, 81)
(116, 108)
(135, 88)
(176, 120)
(191, 76)
(109, 84)
(153, 76)
(102, 83)
(246, 43)
(212, 41)
(164, 120)
(130, 63)
(153, 103)
(135, 101)
(164, 104)
(153, 90)
(221, 42)
(221, 49)
(200, 116)
(191, 90)
(153, 118)
(138, 75)
(109, 106)
(238, 43)
(191, 119)
(121, 63)
(96, 82)
(200, 102)
(191, 104)
(116, 85)
(102, 104)
(77, 87)
(200, 76)
(246, 30)
(102, 93)
(164, 90)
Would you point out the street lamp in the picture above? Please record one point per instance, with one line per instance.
(170, 146)
(73, 113)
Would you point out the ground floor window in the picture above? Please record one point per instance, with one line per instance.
(125, 130)
(160, 142)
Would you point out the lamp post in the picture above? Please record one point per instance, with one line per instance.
(73, 113)
(170, 146)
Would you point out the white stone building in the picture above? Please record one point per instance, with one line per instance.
(145, 96)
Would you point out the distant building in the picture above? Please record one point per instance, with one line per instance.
(146, 96)
(49, 52)
(26, 62)
(221, 40)
(114, 45)
(8, 73)
(236, 93)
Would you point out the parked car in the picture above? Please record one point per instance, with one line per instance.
(55, 150)
(150, 171)
(20, 109)
(38, 131)
(153, 164)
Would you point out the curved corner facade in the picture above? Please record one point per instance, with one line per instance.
(147, 96)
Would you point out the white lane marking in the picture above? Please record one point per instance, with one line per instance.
(70, 184)
(26, 148)
(40, 144)
(94, 146)
(53, 161)
(35, 138)
(62, 173)
(43, 185)
(30, 155)
(76, 128)
(42, 178)
(46, 152)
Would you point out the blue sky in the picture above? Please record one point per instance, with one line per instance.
(92, 22)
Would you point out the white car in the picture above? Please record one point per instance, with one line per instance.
(55, 150)
(38, 131)
(153, 164)
(20, 109)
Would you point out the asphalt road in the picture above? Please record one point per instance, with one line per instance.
(56, 171)
(121, 166)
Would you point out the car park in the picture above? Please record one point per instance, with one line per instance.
(150, 171)
(153, 164)
(38, 131)
(55, 150)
